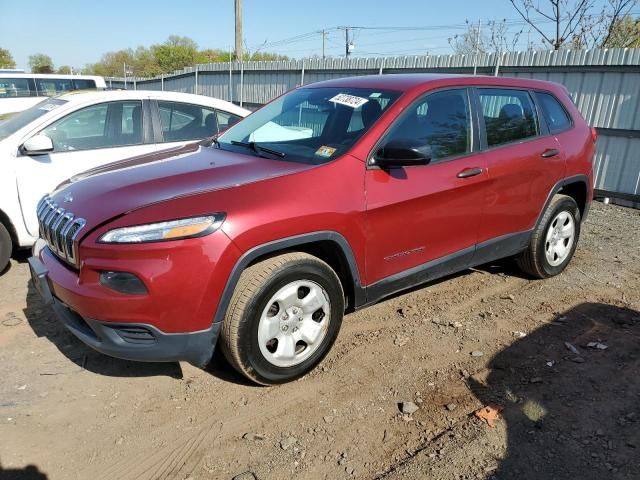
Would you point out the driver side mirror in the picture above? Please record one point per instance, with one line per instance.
(37, 145)
(402, 152)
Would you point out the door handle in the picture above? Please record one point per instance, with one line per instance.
(550, 152)
(469, 172)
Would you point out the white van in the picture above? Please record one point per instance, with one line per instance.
(19, 91)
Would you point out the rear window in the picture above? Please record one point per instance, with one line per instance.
(554, 113)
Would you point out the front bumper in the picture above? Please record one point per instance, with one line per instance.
(130, 341)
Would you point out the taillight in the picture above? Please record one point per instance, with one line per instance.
(594, 134)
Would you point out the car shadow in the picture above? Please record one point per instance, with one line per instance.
(44, 323)
(220, 368)
(30, 472)
(504, 266)
(19, 256)
(571, 410)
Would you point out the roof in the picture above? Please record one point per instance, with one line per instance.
(409, 81)
(94, 96)
(23, 74)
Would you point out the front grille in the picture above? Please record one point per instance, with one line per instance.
(60, 229)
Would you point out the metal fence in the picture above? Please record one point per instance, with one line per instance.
(605, 84)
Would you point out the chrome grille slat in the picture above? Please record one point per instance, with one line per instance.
(60, 229)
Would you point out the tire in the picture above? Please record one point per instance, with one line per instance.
(283, 318)
(6, 246)
(552, 245)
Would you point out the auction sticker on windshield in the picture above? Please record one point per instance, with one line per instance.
(325, 151)
(349, 100)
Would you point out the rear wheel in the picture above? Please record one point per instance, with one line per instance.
(554, 240)
(283, 318)
(5, 248)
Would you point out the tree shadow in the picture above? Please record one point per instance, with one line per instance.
(30, 472)
(44, 323)
(570, 415)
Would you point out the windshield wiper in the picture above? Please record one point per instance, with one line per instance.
(258, 148)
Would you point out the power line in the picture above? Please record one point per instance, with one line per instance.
(353, 33)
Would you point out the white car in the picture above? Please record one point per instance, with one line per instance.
(19, 91)
(68, 134)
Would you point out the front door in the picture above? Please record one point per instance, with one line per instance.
(426, 214)
(87, 138)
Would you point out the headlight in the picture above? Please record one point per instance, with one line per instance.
(162, 231)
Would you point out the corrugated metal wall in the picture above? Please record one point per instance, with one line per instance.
(605, 85)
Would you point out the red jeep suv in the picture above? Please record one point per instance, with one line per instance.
(328, 199)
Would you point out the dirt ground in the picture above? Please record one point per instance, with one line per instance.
(486, 337)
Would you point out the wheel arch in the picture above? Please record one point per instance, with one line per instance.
(578, 190)
(6, 221)
(329, 246)
(577, 187)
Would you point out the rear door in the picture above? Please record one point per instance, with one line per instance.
(420, 214)
(86, 138)
(524, 160)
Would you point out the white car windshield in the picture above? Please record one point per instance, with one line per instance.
(22, 119)
(309, 125)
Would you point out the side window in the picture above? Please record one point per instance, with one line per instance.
(556, 116)
(441, 120)
(53, 86)
(14, 87)
(184, 121)
(113, 124)
(84, 84)
(509, 115)
(226, 120)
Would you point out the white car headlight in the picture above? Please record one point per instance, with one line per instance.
(162, 231)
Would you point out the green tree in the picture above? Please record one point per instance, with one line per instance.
(176, 53)
(145, 63)
(212, 56)
(41, 63)
(6, 59)
(64, 69)
(265, 57)
(625, 33)
(112, 64)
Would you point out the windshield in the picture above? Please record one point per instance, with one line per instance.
(309, 125)
(22, 119)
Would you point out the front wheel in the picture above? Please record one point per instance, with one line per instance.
(5, 248)
(554, 240)
(283, 318)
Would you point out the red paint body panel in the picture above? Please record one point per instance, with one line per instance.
(415, 215)
(426, 211)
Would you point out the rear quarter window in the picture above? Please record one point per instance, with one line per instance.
(554, 113)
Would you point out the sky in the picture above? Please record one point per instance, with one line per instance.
(75, 33)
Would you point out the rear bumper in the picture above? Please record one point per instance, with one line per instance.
(130, 341)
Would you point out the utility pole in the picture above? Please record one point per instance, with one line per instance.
(475, 60)
(124, 70)
(238, 4)
(346, 42)
(324, 37)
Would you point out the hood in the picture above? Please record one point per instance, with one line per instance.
(121, 187)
